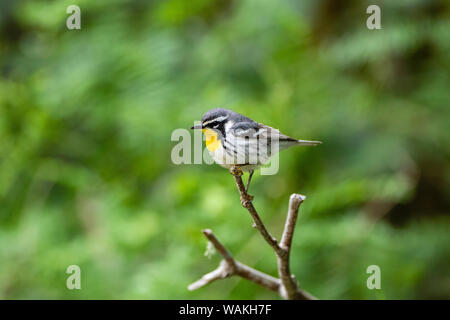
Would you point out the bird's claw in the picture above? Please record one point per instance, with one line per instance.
(236, 171)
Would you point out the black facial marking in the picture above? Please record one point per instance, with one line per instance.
(218, 126)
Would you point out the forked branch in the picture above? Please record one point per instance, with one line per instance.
(286, 285)
(230, 267)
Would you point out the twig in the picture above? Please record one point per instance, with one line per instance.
(246, 201)
(287, 285)
(294, 204)
(290, 285)
(230, 267)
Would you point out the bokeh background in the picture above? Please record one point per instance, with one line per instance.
(86, 118)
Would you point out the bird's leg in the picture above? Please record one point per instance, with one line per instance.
(248, 181)
(250, 197)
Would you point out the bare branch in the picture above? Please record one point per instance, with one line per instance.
(290, 286)
(294, 203)
(229, 267)
(246, 201)
(219, 273)
(219, 246)
(287, 285)
(258, 277)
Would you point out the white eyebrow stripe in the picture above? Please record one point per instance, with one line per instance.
(260, 131)
(221, 118)
(243, 132)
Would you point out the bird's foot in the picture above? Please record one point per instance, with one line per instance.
(236, 171)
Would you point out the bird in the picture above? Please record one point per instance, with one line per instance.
(233, 139)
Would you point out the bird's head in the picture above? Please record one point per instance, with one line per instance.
(214, 119)
(213, 125)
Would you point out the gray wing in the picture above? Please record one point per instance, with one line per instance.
(274, 134)
(255, 130)
(255, 143)
(283, 141)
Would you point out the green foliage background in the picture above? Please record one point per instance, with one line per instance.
(86, 118)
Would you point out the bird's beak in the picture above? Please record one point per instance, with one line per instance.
(197, 126)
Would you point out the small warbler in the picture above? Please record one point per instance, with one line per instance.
(236, 140)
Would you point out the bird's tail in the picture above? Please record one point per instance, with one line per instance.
(308, 143)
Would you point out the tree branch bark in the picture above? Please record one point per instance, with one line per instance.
(246, 201)
(286, 286)
(230, 267)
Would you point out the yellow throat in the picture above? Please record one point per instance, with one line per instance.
(212, 143)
